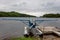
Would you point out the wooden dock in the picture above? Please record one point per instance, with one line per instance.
(50, 33)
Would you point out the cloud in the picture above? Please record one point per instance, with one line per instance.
(34, 6)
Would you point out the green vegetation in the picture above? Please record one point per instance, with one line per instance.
(14, 14)
(22, 38)
(51, 15)
(25, 38)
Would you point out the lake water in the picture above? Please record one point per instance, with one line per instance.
(12, 26)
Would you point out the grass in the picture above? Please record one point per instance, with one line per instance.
(25, 38)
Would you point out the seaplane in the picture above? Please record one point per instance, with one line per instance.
(32, 27)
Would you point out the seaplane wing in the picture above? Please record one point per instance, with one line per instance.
(43, 20)
(25, 21)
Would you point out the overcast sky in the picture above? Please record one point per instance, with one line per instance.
(32, 7)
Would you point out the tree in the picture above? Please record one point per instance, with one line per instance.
(51, 15)
(13, 14)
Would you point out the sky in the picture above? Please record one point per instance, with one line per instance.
(32, 7)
